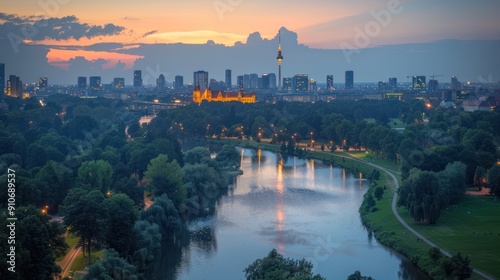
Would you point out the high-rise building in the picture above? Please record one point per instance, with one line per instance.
(287, 84)
(300, 83)
(2, 77)
(280, 60)
(137, 78)
(329, 82)
(265, 81)
(119, 83)
(313, 85)
(43, 83)
(214, 85)
(455, 83)
(433, 85)
(82, 83)
(229, 82)
(14, 86)
(349, 79)
(419, 83)
(272, 81)
(254, 81)
(239, 82)
(200, 79)
(393, 83)
(246, 81)
(95, 84)
(383, 86)
(178, 82)
(160, 83)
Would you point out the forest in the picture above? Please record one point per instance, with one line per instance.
(125, 187)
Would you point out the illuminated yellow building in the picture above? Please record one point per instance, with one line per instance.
(210, 96)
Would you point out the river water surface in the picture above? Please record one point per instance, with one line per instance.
(300, 207)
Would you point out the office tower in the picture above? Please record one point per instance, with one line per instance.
(433, 85)
(254, 81)
(95, 84)
(119, 83)
(200, 79)
(82, 83)
(382, 86)
(265, 81)
(280, 60)
(349, 79)
(43, 83)
(229, 82)
(246, 81)
(312, 85)
(455, 84)
(239, 81)
(393, 83)
(137, 78)
(2, 77)
(300, 83)
(419, 83)
(179, 82)
(214, 85)
(14, 86)
(272, 81)
(329, 82)
(287, 84)
(160, 83)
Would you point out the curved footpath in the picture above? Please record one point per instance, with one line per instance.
(394, 210)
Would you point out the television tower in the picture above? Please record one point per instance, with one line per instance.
(280, 59)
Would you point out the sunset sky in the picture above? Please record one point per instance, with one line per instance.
(228, 21)
(321, 24)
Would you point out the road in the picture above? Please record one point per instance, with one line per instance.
(395, 211)
(68, 260)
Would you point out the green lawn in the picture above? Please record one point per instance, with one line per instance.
(70, 240)
(476, 234)
(81, 263)
(456, 229)
(396, 123)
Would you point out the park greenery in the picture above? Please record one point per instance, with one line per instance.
(91, 162)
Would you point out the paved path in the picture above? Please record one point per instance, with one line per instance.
(395, 211)
(68, 260)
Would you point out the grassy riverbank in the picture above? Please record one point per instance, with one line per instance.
(454, 232)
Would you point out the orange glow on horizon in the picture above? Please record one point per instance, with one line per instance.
(61, 58)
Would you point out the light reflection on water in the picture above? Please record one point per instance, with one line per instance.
(300, 207)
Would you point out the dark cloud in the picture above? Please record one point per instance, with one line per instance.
(39, 28)
(149, 33)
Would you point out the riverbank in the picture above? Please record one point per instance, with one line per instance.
(383, 222)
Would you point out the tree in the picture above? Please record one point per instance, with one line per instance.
(96, 175)
(494, 179)
(423, 196)
(147, 239)
(113, 267)
(58, 179)
(195, 155)
(480, 177)
(38, 243)
(379, 191)
(357, 276)
(166, 177)
(83, 211)
(275, 266)
(121, 216)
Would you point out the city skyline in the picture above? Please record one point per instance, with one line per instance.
(341, 35)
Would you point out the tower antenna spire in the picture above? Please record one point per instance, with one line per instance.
(280, 59)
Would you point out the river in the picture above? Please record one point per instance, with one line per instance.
(300, 207)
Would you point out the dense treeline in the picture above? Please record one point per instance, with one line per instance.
(90, 160)
(72, 157)
(437, 143)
